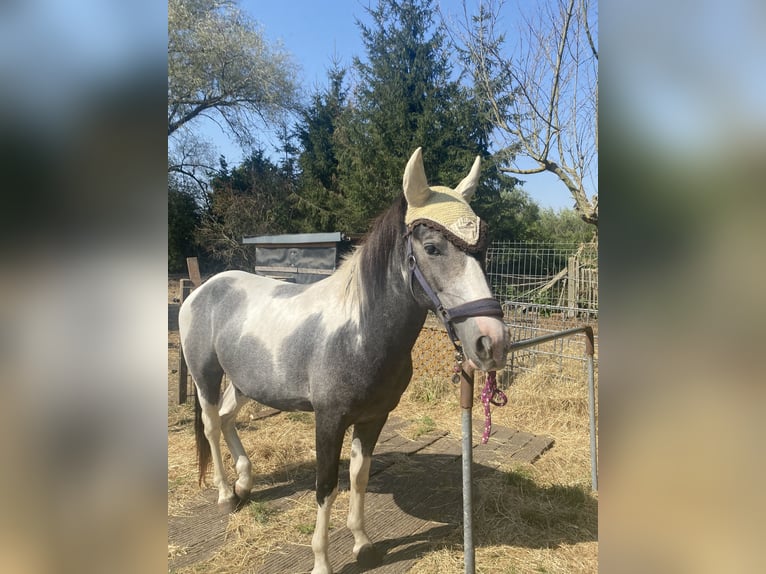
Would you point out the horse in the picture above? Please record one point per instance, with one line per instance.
(341, 347)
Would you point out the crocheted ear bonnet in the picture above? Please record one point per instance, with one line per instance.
(442, 208)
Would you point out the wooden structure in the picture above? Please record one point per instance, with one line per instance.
(298, 258)
(413, 500)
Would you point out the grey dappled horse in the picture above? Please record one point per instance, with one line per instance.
(341, 347)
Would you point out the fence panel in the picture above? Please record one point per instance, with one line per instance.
(544, 288)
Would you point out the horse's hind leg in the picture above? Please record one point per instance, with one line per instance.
(362, 445)
(212, 428)
(232, 401)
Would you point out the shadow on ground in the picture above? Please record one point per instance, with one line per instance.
(415, 507)
(509, 507)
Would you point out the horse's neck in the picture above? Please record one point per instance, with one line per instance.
(390, 312)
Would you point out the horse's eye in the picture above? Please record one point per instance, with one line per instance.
(431, 249)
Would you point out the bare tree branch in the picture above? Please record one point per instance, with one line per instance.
(542, 96)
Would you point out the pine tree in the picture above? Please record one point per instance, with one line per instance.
(406, 97)
(319, 197)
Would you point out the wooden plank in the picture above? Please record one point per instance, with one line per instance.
(402, 536)
(413, 503)
(449, 447)
(193, 267)
(395, 444)
(173, 316)
(195, 537)
(183, 371)
(264, 413)
(405, 445)
(533, 449)
(283, 269)
(183, 376)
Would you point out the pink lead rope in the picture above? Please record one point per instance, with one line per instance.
(491, 394)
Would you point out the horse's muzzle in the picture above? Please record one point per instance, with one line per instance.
(487, 345)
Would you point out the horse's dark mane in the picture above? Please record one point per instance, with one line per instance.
(380, 245)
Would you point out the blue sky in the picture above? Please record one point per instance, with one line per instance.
(316, 31)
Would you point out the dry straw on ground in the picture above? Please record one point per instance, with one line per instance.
(527, 518)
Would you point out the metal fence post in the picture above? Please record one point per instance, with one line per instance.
(466, 405)
(590, 351)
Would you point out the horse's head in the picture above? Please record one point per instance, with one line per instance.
(446, 246)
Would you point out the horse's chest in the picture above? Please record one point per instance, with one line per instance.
(370, 386)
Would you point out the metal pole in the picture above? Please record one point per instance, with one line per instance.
(590, 351)
(592, 414)
(466, 405)
(518, 345)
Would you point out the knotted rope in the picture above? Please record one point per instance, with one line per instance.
(491, 394)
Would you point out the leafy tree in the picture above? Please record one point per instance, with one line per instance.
(511, 214)
(542, 97)
(220, 67)
(254, 198)
(563, 226)
(183, 219)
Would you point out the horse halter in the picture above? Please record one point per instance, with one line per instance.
(487, 307)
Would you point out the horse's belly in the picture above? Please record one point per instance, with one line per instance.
(252, 368)
(283, 403)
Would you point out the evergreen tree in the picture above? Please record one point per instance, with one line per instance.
(406, 97)
(320, 198)
(183, 219)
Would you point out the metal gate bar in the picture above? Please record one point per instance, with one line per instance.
(466, 406)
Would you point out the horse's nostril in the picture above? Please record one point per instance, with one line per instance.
(484, 347)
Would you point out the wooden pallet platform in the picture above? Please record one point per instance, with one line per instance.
(413, 501)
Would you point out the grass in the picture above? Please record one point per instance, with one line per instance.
(300, 417)
(527, 518)
(259, 511)
(424, 425)
(305, 529)
(431, 390)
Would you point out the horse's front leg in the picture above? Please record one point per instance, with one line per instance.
(362, 445)
(329, 441)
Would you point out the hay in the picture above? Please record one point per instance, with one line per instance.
(528, 518)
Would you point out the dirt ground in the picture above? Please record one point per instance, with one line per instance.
(540, 517)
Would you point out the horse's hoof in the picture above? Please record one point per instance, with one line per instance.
(228, 505)
(243, 495)
(369, 556)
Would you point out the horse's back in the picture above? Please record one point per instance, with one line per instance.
(232, 323)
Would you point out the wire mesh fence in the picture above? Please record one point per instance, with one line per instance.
(545, 288)
(547, 274)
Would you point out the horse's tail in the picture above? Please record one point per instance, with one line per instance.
(203, 446)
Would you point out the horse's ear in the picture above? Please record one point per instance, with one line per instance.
(468, 186)
(415, 185)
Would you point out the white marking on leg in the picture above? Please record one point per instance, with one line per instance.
(320, 538)
(231, 403)
(359, 473)
(212, 422)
